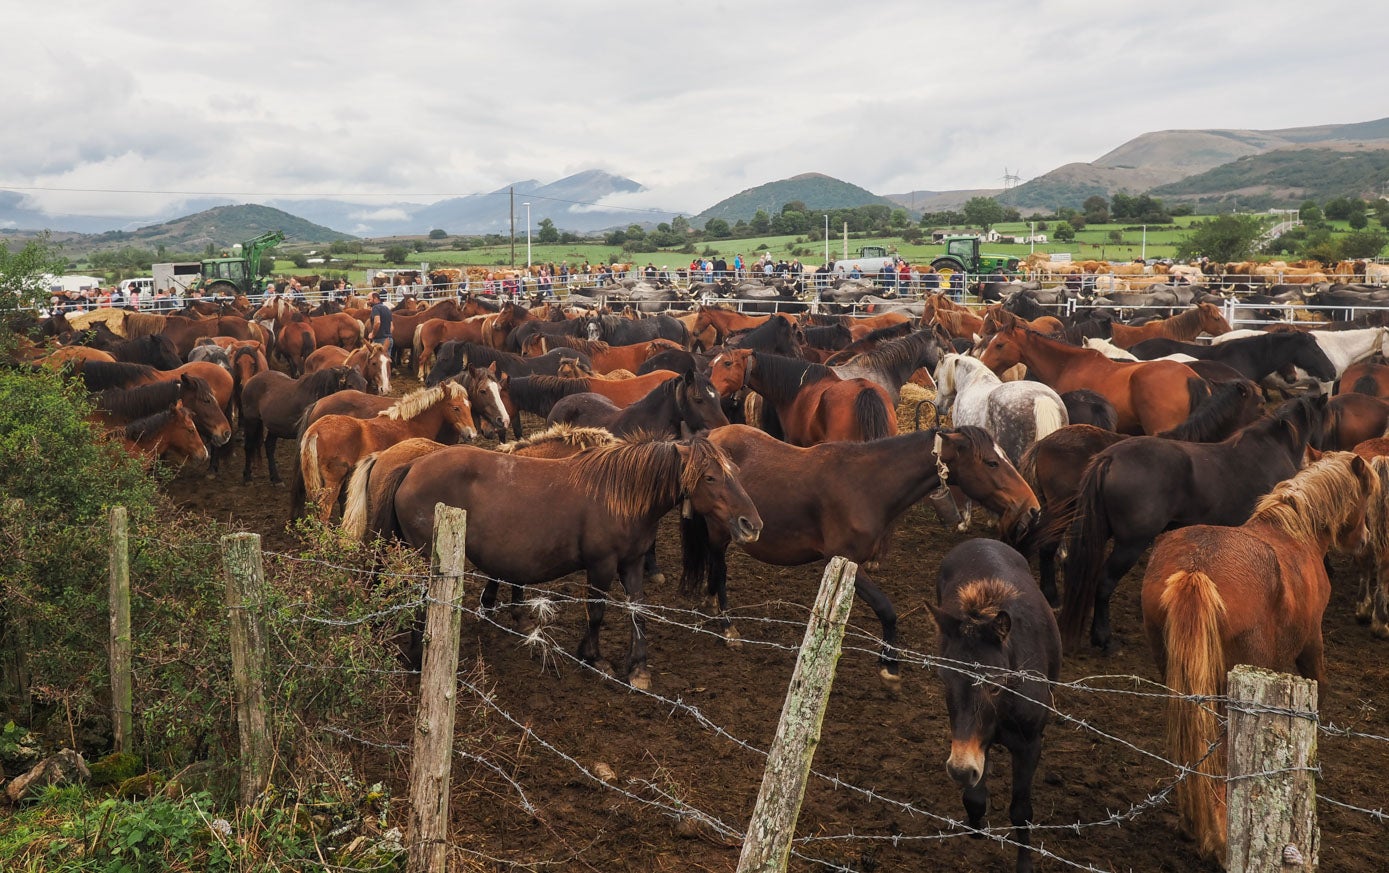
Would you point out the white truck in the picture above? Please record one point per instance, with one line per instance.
(869, 262)
(176, 278)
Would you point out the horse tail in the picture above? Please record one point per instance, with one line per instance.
(309, 472)
(417, 346)
(1198, 391)
(1086, 539)
(382, 518)
(1196, 667)
(1049, 415)
(1365, 385)
(694, 552)
(871, 415)
(767, 418)
(354, 513)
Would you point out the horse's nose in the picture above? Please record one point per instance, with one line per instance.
(966, 763)
(468, 433)
(748, 530)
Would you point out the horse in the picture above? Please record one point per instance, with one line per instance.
(603, 509)
(271, 404)
(451, 359)
(211, 353)
(848, 497)
(724, 322)
(1201, 318)
(1252, 357)
(333, 444)
(1086, 407)
(369, 359)
(294, 342)
(893, 362)
(778, 336)
(688, 404)
(539, 394)
(618, 331)
(155, 350)
(1136, 489)
(1000, 652)
(168, 434)
(1148, 397)
(1365, 377)
(604, 358)
(1372, 565)
(185, 332)
(1342, 347)
(1214, 597)
(870, 341)
(811, 403)
(206, 390)
(1353, 418)
(1017, 414)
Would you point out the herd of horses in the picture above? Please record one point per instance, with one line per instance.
(1239, 462)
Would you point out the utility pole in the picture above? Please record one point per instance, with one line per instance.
(512, 189)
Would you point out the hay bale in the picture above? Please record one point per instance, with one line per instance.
(113, 318)
(912, 397)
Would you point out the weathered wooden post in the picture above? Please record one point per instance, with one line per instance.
(245, 599)
(1272, 792)
(767, 846)
(122, 705)
(432, 758)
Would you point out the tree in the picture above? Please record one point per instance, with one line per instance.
(299, 260)
(22, 273)
(396, 253)
(1309, 213)
(1116, 236)
(1337, 209)
(983, 212)
(1096, 210)
(1358, 220)
(761, 223)
(438, 233)
(546, 234)
(1064, 232)
(718, 228)
(1076, 221)
(1362, 244)
(1224, 238)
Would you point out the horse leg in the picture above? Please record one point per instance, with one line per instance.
(524, 622)
(1379, 621)
(489, 594)
(1046, 571)
(1311, 662)
(1121, 560)
(270, 463)
(651, 569)
(888, 665)
(1365, 587)
(1025, 759)
(255, 430)
(718, 591)
(638, 675)
(599, 580)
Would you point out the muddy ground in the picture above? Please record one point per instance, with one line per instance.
(893, 744)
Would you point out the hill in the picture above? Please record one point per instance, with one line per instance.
(939, 201)
(1286, 177)
(1161, 158)
(815, 190)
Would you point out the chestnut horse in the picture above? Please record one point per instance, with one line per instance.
(1214, 597)
(604, 358)
(1353, 418)
(206, 389)
(170, 434)
(811, 404)
(1148, 397)
(1365, 377)
(294, 342)
(849, 496)
(1185, 326)
(272, 403)
(602, 509)
(992, 617)
(369, 359)
(334, 444)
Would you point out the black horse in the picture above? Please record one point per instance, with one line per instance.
(775, 335)
(1136, 489)
(1252, 357)
(689, 404)
(1084, 406)
(1000, 651)
(618, 331)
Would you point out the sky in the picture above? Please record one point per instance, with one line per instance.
(119, 108)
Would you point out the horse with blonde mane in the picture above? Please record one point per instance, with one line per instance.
(1214, 597)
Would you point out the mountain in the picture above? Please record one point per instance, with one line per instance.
(939, 201)
(222, 226)
(815, 190)
(1161, 158)
(1286, 177)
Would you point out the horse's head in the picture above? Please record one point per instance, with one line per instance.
(728, 372)
(1308, 355)
(197, 398)
(1004, 350)
(976, 636)
(979, 468)
(162, 353)
(709, 480)
(179, 438)
(698, 402)
(1212, 319)
(489, 397)
(1355, 534)
(376, 366)
(945, 377)
(593, 328)
(458, 410)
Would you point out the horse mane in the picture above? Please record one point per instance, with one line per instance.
(783, 377)
(100, 375)
(833, 336)
(1314, 502)
(983, 599)
(1213, 419)
(1377, 515)
(421, 399)
(587, 346)
(897, 354)
(150, 424)
(1190, 320)
(325, 381)
(825, 319)
(629, 478)
(140, 401)
(568, 434)
(138, 324)
(530, 392)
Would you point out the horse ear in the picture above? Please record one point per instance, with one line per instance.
(1002, 625)
(949, 625)
(492, 368)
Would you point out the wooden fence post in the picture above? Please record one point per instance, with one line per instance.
(119, 601)
(432, 758)
(767, 846)
(1272, 818)
(245, 575)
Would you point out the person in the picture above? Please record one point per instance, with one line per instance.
(887, 276)
(904, 274)
(855, 273)
(379, 327)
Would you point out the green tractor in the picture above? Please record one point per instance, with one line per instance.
(962, 256)
(228, 277)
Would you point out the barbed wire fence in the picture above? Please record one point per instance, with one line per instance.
(508, 754)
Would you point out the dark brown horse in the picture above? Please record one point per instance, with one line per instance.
(272, 404)
(845, 501)
(812, 403)
(1000, 653)
(676, 407)
(603, 507)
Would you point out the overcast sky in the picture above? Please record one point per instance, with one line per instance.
(417, 100)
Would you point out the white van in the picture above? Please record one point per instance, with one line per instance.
(143, 284)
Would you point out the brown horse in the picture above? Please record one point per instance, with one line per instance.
(336, 329)
(845, 500)
(603, 507)
(207, 390)
(1149, 397)
(1214, 597)
(272, 404)
(185, 332)
(1186, 326)
(403, 326)
(170, 434)
(437, 331)
(369, 359)
(602, 357)
(726, 321)
(811, 403)
(294, 342)
(1365, 377)
(1353, 418)
(334, 444)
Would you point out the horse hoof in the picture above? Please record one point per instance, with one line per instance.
(657, 579)
(640, 679)
(525, 624)
(732, 639)
(891, 681)
(602, 666)
(1380, 630)
(871, 566)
